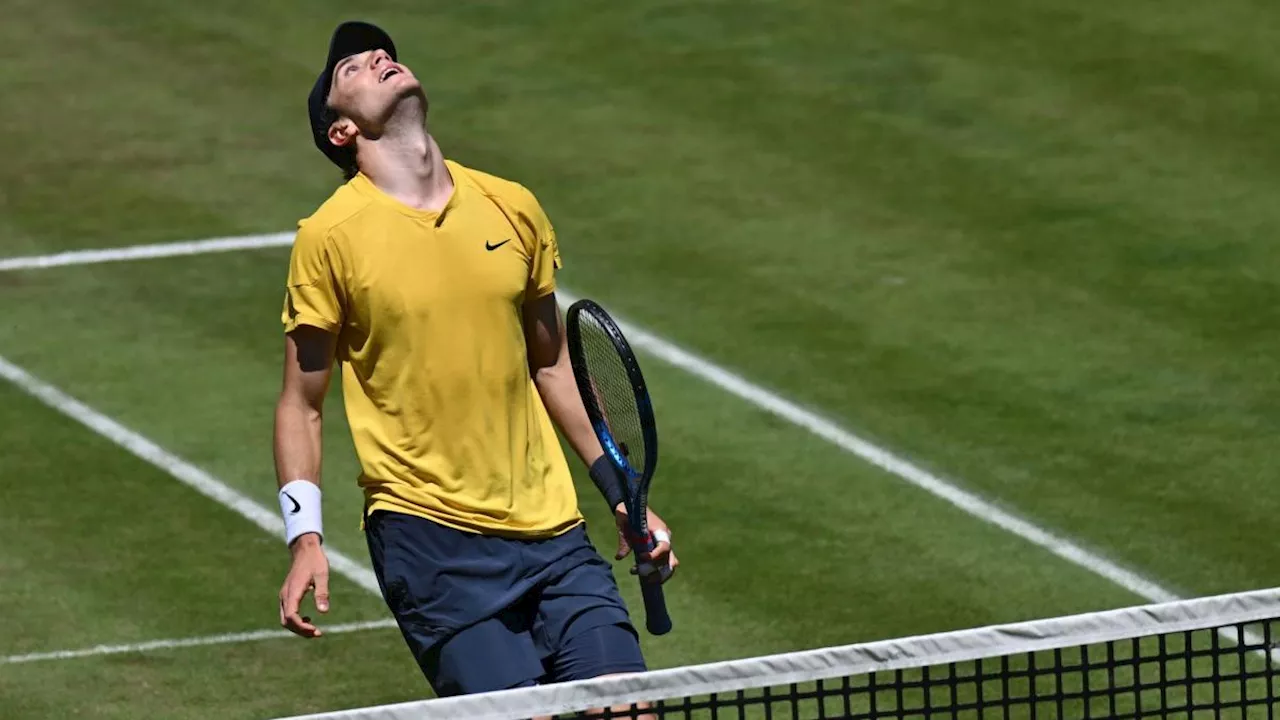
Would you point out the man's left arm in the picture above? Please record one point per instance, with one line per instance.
(552, 373)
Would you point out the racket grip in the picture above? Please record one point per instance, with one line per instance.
(656, 619)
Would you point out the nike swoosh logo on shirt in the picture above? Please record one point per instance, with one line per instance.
(491, 247)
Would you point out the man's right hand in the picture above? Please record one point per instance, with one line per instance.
(310, 570)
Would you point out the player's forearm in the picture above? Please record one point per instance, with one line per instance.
(559, 394)
(553, 375)
(297, 442)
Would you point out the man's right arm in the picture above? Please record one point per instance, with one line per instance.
(308, 365)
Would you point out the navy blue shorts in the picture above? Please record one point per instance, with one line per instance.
(487, 613)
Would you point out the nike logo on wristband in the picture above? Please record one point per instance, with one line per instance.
(296, 506)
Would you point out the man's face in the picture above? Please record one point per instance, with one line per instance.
(366, 90)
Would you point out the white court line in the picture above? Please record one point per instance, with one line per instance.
(189, 474)
(146, 252)
(226, 639)
(966, 501)
(890, 462)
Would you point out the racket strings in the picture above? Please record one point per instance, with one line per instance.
(611, 385)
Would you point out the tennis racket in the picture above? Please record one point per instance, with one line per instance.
(621, 414)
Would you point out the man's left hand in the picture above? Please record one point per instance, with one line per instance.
(661, 561)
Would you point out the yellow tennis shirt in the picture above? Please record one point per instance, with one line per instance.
(426, 307)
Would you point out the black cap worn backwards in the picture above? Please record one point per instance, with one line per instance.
(350, 38)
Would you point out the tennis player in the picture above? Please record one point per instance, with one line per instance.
(433, 286)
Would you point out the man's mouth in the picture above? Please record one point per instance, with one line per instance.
(388, 73)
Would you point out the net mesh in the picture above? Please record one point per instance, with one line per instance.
(1203, 658)
(612, 386)
(1189, 674)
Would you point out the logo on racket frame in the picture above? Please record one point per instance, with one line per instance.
(617, 454)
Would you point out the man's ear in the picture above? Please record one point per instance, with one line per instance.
(343, 132)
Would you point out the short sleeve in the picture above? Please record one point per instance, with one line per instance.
(313, 290)
(545, 253)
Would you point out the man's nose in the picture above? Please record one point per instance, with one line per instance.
(380, 56)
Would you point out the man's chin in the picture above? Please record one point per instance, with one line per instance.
(411, 93)
(407, 104)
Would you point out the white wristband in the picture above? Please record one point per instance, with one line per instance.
(300, 505)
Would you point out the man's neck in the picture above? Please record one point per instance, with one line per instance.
(405, 163)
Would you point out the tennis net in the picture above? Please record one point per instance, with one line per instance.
(1209, 657)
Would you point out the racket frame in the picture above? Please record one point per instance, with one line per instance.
(636, 489)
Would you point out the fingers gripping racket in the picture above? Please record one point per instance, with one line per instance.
(621, 414)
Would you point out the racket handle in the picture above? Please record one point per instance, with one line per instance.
(656, 619)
